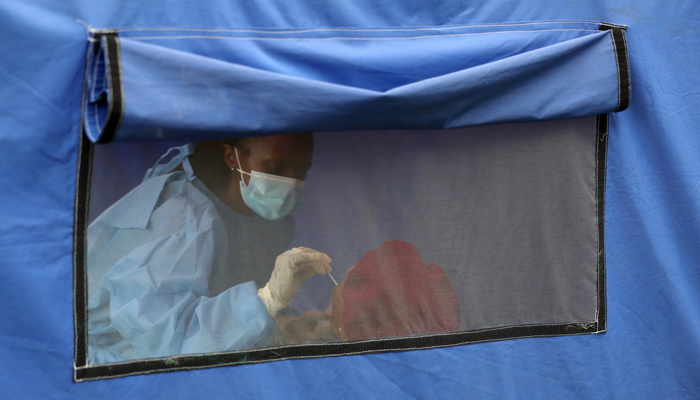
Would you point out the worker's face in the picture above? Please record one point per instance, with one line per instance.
(337, 309)
(282, 155)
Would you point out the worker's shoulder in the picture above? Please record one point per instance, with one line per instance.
(180, 196)
(162, 198)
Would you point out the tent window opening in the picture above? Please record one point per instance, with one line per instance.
(198, 245)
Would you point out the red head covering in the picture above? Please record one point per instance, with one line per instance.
(392, 292)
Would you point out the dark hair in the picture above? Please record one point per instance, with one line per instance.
(208, 161)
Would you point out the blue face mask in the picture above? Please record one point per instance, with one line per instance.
(270, 196)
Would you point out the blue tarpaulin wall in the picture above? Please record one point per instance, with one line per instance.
(651, 349)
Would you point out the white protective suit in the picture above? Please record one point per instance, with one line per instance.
(172, 270)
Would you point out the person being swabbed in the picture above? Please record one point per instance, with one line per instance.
(390, 292)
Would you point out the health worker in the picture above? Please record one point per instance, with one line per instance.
(195, 259)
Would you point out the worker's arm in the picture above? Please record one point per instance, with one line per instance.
(159, 300)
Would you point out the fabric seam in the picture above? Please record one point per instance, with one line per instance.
(174, 360)
(303, 30)
(627, 64)
(619, 75)
(209, 360)
(180, 37)
(601, 178)
(81, 204)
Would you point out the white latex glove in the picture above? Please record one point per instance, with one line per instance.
(292, 269)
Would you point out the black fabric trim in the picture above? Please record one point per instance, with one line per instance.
(116, 88)
(85, 372)
(617, 33)
(187, 362)
(601, 156)
(82, 197)
(604, 26)
(79, 247)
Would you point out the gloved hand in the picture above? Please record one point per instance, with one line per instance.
(292, 269)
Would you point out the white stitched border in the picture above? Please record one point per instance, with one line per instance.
(344, 38)
(280, 32)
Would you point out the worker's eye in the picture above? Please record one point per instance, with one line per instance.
(274, 169)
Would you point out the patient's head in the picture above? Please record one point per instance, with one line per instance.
(392, 292)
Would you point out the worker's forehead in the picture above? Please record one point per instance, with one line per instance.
(292, 143)
(283, 151)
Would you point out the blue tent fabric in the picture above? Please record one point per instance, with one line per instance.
(651, 350)
(321, 80)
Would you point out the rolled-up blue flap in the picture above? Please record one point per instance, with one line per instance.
(197, 86)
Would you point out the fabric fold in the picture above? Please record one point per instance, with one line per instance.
(207, 85)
